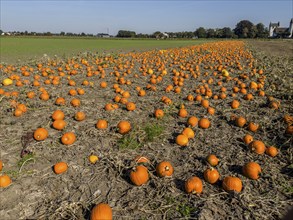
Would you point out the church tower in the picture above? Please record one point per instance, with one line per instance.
(291, 28)
(272, 28)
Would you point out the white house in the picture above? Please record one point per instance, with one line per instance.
(165, 35)
(276, 31)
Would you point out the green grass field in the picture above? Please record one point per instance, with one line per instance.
(24, 49)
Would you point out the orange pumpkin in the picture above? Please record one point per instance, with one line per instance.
(211, 110)
(41, 134)
(60, 167)
(72, 92)
(272, 151)
(289, 130)
(288, 119)
(193, 185)
(192, 121)
(274, 105)
(130, 106)
(182, 140)
(248, 97)
(205, 103)
(204, 123)
(103, 84)
(231, 183)
(31, 94)
(109, 107)
(257, 146)
(45, 96)
(59, 124)
(188, 132)
(139, 175)
(75, 102)
(247, 139)
(190, 98)
(22, 107)
(124, 127)
(212, 160)
(159, 113)
(68, 138)
(240, 121)
(141, 92)
(211, 175)
(252, 126)
(235, 104)
(164, 169)
(102, 124)
(251, 170)
(18, 112)
(79, 116)
(5, 181)
(58, 115)
(101, 211)
(60, 101)
(80, 91)
(183, 113)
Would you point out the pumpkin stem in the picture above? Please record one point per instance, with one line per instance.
(167, 168)
(194, 192)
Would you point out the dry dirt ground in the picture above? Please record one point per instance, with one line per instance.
(37, 193)
(274, 47)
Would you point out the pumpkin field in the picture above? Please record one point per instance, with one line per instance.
(195, 132)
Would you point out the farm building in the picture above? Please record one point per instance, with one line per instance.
(103, 35)
(276, 31)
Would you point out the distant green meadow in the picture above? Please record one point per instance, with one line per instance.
(26, 49)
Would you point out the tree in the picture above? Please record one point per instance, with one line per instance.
(48, 33)
(211, 33)
(62, 33)
(1, 32)
(244, 29)
(219, 33)
(261, 31)
(227, 32)
(200, 32)
(156, 34)
(253, 32)
(188, 34)
(125, 33)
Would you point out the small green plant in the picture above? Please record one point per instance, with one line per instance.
(152, 131)
(181, 206)
(12, 173)
(25, 159)
(139, 135)
(287, 188)
(170, 200)
(185, 210)
(129, 141)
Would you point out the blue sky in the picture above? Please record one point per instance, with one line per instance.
(94, 17)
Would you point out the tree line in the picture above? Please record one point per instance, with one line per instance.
(243, 29)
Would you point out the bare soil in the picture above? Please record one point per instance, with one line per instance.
(38, 193)
(282, 47)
